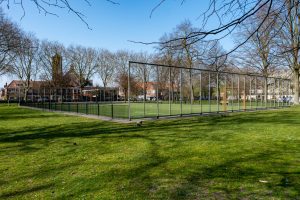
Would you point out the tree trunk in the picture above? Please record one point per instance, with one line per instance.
(296, 86)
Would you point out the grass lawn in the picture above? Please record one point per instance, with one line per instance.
(240, 156)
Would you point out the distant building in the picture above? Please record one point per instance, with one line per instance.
(150, 90)
(2, 94)
(62, 87)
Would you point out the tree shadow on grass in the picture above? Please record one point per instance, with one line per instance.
(201, 127)
(26, 191)
(229, 180)
(197, 180)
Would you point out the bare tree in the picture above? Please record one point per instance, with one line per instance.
(289, 41)
(106, 66)
(187, 52)
(46, 52)
(122, 58)
(10, 37)
(259, 52)
(84, 62)
(231, 14)
(216, 57)
(122, 80)
(25, 65)
(143, 72)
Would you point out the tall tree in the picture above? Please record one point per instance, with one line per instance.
(46, 52)
(289, 41)
(25, 66)
(186, 51)
(106, 66)
(84, 62)
(10, 39)
(259, 52)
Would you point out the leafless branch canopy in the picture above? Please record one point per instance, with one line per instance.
(229, 15)
(46, 7)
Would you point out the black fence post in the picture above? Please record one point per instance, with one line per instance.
(77, 107)
(98, 111)
(86, 108)
(112, 110)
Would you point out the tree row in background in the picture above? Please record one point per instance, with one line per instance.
(267, 52)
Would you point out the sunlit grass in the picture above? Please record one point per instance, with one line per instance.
(241, 156)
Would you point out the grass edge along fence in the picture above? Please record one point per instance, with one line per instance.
(155, 91)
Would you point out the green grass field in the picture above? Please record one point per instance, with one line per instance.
(152, 109)
(240, 156)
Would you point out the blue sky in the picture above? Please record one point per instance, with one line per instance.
(112, 25)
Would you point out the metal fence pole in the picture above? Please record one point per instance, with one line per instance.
(19, 96)
(44, 98)
(180, 91)
(238, 92)
(245, 95)
(200, 92)
(112, 105)
(157, 81)
(86, 108)
(49, 98)
(262, 99)
(170, 83)
(256, 96)
(266, 92)
(278, 93)
(129, 114)
(191, 92)
(144, 91)
(218, 101)
(209, 97)
(232, 91)
(284, 92)
(289, 92)
(225, 94)
(250, 92)
(274, 94)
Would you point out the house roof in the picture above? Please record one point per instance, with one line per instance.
(34, 84)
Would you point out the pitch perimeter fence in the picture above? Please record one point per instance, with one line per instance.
(161, 90)
(154, 91)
